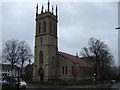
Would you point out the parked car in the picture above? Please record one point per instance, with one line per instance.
(0, 81)
(23, 84)
(3, 81)
(13, 82)
(113, 81)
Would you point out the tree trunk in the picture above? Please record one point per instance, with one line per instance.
(22, 69)
(102, 71)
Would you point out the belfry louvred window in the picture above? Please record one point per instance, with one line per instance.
(39, 27)
(54, 29)
(44, 26)
(50, 27)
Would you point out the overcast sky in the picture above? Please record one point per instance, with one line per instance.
(77, 23)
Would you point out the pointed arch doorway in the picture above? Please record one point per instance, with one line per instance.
(41, 74)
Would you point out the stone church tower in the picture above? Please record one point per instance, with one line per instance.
(46, 48)
(49, 63)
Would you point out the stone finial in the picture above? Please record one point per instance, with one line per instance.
(37, 9)
(42, 9)
(52, 9)
(56, 10)
(76, 54)
(48, 5)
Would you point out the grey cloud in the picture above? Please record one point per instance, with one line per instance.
(77, 23)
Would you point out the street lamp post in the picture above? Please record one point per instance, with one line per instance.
(94, 79)
(118, 57)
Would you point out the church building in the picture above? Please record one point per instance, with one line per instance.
(49, 63)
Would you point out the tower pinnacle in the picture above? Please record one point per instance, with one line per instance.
(52, 9)
(48, 5)
(76, 54)
(37, 9)
(42, 9)
(56, 10)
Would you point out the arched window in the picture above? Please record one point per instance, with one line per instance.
(66, 69)
(44, 26)
(63, 69)
(39, 27)
(41, 57)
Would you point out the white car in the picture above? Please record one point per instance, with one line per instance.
(13, 82)
(3, 81)
(0, 81)
(113, 81)
(23, 84)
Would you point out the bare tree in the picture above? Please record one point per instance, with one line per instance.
(99, 54)
(15, 52)
(10, 52)
(25, 53)
(105, 62)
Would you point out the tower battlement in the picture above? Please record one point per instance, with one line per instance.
(47, 11)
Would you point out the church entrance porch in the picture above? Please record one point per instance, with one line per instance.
(41, 74)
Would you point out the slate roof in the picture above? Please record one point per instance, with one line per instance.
(76, 60)
(7, 67)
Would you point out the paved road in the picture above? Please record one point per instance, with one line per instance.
(103, 86)
(116, 86)
(106, 86)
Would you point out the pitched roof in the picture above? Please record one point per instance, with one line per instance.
(76, 60)
(7, 67)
